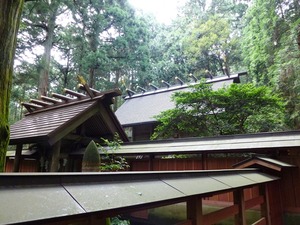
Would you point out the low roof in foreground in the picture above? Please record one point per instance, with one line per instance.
(43, 196)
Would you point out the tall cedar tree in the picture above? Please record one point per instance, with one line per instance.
(10, 13)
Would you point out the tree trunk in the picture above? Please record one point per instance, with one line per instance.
(92, 77)
(44, 73)
(10, 14)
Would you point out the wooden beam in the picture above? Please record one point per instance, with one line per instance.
(240, 217)
(55, 156)
(195, 211)
(52, 100)
(151, 162)
(87, 89)
(62, 97)
(94, 91)
(254, 202)
(31, 107)
(18, 156)
(39, 102)
(261, 221)
(204, 161)
(71, 125)
(265, 207)
(219, 215)
(74, 93)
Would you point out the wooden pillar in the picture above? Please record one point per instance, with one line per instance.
(55, 157)
(18, 156)
(240, 218)
(95, 220)
(151, 161)
(194, 211)
(265, 207)
(204, 161)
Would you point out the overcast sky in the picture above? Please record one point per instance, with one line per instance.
(163, 10)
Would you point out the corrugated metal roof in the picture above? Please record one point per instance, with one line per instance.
(249, 142)
(32, 197)
(141, 108)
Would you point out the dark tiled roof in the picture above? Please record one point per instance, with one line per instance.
(50, 124)
(142, 107)
(40, 125)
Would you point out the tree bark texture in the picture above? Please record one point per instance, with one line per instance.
(10, 14)
(48, 44)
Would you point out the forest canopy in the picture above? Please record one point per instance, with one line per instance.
(111, 45)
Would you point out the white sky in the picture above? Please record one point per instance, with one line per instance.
(164, 10)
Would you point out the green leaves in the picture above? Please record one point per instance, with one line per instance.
(237, 109)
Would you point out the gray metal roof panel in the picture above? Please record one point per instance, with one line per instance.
(142, 108)
(258, 177)
(62, 195)
(104, 196)
(19, 204)
(221, 143)
(233, 180)
(193, 186)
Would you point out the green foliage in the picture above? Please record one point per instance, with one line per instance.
(91, 158)
(271, 51)
(288, 66)
(113, 47)
(209, 43)
(237, 109)
(260, 40)
(111, 161)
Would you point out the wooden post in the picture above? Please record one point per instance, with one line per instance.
(204, 161)
(265, 207)
(194, 211)
(240, 218)
(18, 156)
(151, 162)
(55, 156)
(96, 220)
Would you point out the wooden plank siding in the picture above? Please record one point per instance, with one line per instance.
(26, 165)
(290, 185)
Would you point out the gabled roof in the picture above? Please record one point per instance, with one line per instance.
(263, 161)
(142, 107)
(62, 195)
(53, 122)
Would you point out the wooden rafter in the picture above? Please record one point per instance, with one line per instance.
(74, 93)
(52, 100)
(31, 107)
(94, 92)
(62, 97)
(39, 102)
